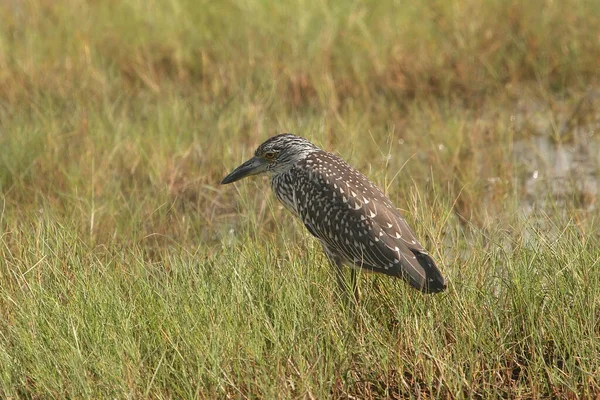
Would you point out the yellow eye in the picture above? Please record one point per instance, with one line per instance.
(269, 155)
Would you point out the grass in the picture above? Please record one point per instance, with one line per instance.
(127, 271)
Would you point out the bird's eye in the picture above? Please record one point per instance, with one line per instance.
(269, 155)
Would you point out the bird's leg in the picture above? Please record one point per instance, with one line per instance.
(339, 275)
(337, 264)
(353, 284)
(345, 287)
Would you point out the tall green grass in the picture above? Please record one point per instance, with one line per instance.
(127, 271)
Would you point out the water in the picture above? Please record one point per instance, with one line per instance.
(561, 160)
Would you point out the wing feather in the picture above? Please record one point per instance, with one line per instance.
(355, 220)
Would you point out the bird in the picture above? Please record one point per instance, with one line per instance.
(355, 222)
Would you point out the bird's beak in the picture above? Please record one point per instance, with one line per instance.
(253, 166)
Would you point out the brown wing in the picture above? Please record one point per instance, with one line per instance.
(356, 221)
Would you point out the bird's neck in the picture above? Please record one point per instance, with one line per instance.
(283, 188)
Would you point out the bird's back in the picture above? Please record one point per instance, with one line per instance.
(355, 220)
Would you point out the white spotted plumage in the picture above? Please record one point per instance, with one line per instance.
(356, 223)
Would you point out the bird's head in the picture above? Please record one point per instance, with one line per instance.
(275, 156)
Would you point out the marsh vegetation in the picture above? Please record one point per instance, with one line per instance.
(127, 271)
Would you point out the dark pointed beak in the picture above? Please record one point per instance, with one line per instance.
(253, 166)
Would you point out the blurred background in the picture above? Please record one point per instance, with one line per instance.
(118, 119)
(114, 100)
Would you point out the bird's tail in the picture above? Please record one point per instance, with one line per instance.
(434, 281)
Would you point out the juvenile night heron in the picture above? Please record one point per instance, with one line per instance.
(354, 221)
